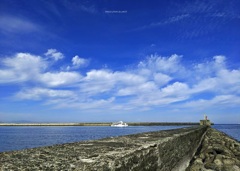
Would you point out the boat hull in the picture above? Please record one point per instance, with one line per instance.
(119, 125)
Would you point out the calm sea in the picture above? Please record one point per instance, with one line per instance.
(233, 130)
(17, 138)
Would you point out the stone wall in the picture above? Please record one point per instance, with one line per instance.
(162, 150)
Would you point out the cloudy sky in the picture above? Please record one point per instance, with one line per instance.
(110, 60)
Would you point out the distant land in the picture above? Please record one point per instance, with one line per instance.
(101, 124)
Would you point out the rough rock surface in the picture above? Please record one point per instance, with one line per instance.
(162, 150)
(217, 152)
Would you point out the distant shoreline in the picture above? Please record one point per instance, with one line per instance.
(102, 124)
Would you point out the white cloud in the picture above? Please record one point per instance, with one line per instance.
(24, 62)
(25, 67)
(161, 79)
(148, 72)
(78, 62)
(59, 78)
(210, 68)
(7, 76)
(157, 98)
(99, 81)
(157, 63)
(154, 96)
(155, 82)
(226, 100)
(43, 93)
(217, 102)
(21, 67)
(98, 75)
(229, 81)
(175, 89)
(107, 75)
(89, 104)
(53, 53)
(128, 78)
(141, 89)
(214, 77)
(220, 60)
(208, 84)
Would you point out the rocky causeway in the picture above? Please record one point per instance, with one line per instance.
(217, 152)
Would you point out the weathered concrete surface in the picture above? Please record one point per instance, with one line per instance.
(163, 150)
(217, 152)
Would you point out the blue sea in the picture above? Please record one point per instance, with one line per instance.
(21, 137)
(232, 130)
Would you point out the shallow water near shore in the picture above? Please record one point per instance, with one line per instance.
(23, 137)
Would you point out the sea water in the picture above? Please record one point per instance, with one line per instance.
(232, 130)
(23, 137)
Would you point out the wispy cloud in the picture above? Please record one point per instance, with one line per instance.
(195, 18)
(208, 13)
(169, 20)
(84, 6)
(10, 24)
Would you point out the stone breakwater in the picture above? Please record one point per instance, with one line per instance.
(217, 152)
(162, 150)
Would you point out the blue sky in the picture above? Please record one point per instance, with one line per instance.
(110, 60)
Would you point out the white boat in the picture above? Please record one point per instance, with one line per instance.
(119, 124)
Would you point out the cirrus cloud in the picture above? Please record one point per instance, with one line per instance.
(10, 25)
